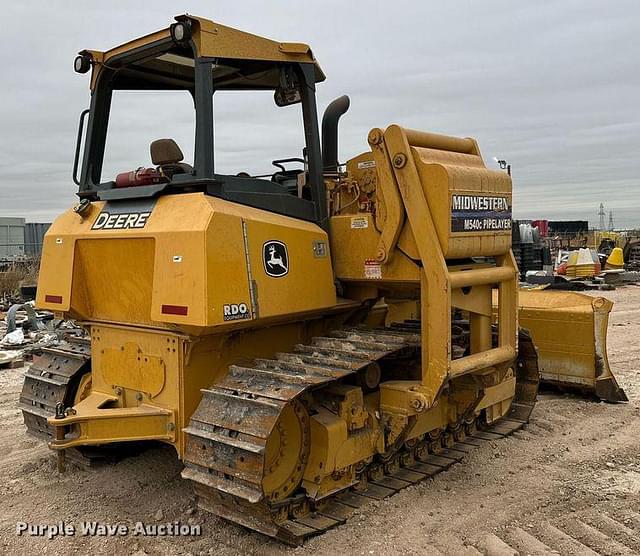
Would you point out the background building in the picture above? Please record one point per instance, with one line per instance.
(20, 239)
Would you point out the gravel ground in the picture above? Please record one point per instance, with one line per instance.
(568, 484)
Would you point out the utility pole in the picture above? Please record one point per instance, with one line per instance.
(601, 214)
(611, 221)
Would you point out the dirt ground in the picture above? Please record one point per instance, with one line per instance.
(569, 484)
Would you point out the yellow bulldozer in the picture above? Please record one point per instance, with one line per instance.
(236, 316)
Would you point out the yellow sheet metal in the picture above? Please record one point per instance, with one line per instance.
(569, 330)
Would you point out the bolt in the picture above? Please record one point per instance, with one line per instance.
(139, 396)
(60, 413)
(375, 137)
(119, 391)
(171, 427)
(399, 160)
(82, 207)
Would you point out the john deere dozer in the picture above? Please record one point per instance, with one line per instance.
(231, 315)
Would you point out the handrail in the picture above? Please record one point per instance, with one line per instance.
(76, 158)
(480, 277)
(481, 360)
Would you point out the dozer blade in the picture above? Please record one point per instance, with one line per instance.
(570, 332)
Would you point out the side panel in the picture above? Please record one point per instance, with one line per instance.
(56, 267)
(354, 245)
(290, 267)
(179, 223)
(226, 269)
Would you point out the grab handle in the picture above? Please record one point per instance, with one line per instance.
(76, 159)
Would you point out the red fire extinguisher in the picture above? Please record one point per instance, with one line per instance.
(141, 176)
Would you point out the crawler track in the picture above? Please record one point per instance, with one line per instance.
(227, 435)
(53, 377)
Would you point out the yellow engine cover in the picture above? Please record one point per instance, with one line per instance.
(191, 262)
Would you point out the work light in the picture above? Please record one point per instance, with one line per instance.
(82, 64)
(180, 32)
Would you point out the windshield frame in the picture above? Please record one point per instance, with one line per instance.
(202, 89)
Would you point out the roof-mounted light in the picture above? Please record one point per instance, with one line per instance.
(181, 32)
(82, 63)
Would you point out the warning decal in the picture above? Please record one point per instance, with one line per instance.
(359, 222)
(372, 270)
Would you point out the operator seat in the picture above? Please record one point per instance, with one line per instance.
(167, 156)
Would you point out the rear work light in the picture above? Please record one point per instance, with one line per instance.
(181, 32)
(82, 63)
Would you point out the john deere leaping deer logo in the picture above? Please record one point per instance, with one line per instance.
(275, 258)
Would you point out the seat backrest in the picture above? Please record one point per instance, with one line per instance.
(165, 151)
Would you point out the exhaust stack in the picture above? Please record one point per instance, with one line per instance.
(330, 119)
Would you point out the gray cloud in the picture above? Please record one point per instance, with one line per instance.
(551, 86)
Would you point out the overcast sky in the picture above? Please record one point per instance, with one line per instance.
(551, 86)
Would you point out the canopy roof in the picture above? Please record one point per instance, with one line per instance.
(211, 40)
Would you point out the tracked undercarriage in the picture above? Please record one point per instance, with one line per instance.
(52, 379)
(250, 444)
